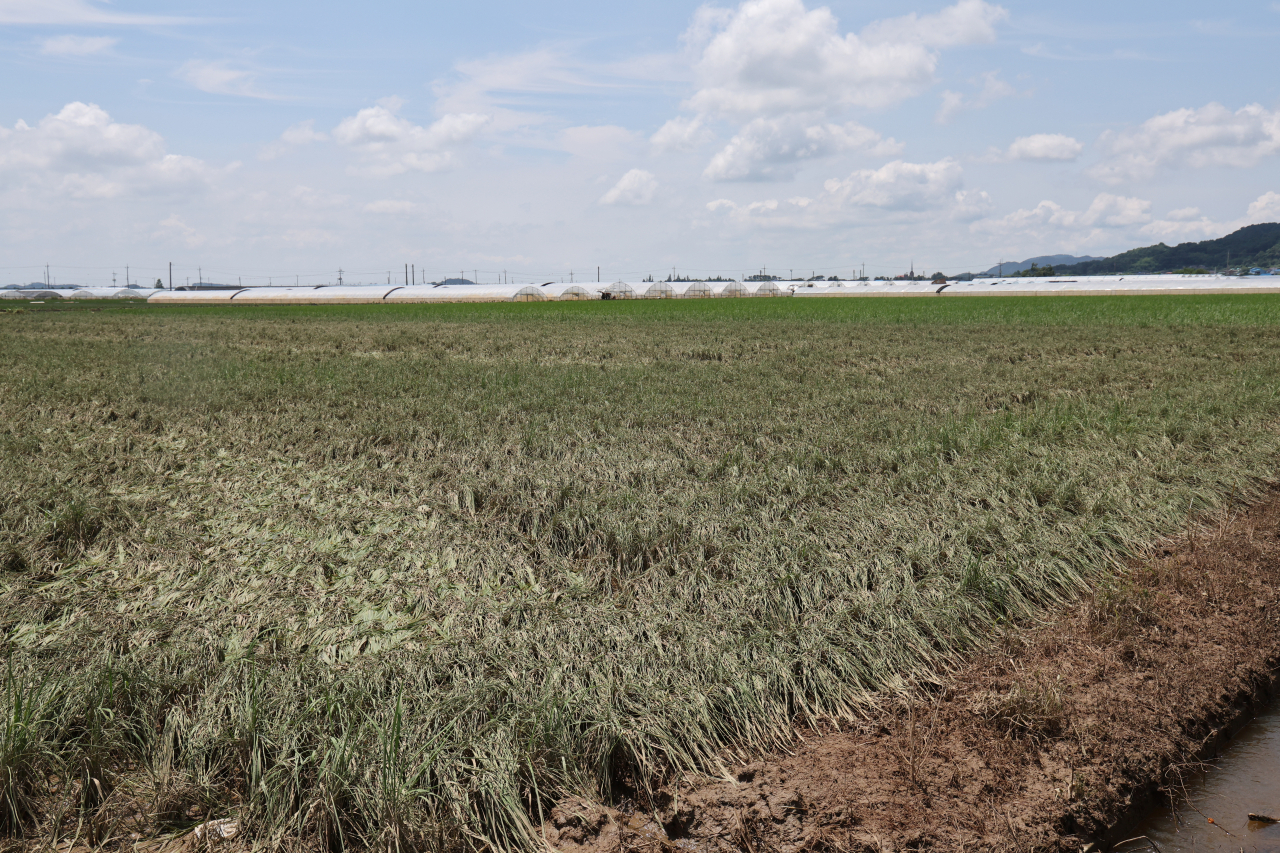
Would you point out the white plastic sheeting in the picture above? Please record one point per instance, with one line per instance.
(1113, 285)
(870, 288)
(660, 290)
(34, 295)
(192, 297)
(110, 293)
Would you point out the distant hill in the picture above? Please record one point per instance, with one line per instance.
(1251, 246)
(1009, 268)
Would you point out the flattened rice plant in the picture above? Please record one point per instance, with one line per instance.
(404, 577)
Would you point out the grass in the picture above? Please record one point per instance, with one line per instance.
(403, 576)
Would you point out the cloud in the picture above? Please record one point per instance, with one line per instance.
(219, 77)
(512, 88)
(1048, 217)
(77, 45)
(775, 148)
(390, 145)
(900, 185)
(967, 22)
(1265, 209)
(916, 192)
(1188, 223)
(636, 187)
(775, 56)
(81, 152)
(1045, 146)
(303, 133)
(597, 141)
(954, 103)
(64, 12)
(1187, 138)
(681, 134)
(174, 228)
(388, 205)
(296, 135)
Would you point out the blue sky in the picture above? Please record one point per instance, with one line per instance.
(283, 141)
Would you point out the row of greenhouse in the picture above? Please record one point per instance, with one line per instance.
(379, 294)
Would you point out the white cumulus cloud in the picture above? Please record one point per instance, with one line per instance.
(774, 148)
(1045, 146)
(900, 191)
(77, 45)
(1189, 224)
(81, 152)
(776, 56)
(900, 185)
(1049, 220)
(681, 133)
(390, 145)
(1210, 136)
(636, 187)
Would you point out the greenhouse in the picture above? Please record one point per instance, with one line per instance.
(377, 294)
(730, 288)
(696, 290)
(618, 290)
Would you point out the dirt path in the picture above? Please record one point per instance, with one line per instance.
(1051, 742)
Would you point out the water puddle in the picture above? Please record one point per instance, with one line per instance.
(1244, 779)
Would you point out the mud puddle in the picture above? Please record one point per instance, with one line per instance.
(1244, 779)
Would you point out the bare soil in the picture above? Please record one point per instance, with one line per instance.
(1056, 739)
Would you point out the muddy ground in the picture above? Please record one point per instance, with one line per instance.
(1055, 740)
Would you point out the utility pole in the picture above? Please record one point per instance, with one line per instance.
(413, 274)
(406, 274)
(199, 276)
(46, 274)
(171, 275)
(126, 275)
(339, 276)
(597, 275)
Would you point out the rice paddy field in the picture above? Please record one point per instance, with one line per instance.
(402, 577)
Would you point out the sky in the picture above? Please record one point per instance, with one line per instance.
(282, 142)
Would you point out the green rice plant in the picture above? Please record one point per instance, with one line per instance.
(29, 754)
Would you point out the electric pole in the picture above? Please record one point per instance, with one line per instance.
(171, 275)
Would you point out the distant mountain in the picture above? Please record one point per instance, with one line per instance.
(1009, 267)
(1251, 246)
